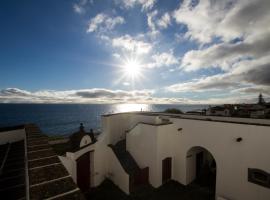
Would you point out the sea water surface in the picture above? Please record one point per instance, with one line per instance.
(62, 119)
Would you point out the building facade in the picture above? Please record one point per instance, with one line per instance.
(140, 147)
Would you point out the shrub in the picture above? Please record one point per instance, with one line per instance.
(173, 111)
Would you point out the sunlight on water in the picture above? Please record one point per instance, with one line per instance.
(132, 107)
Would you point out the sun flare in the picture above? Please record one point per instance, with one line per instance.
(132, 69)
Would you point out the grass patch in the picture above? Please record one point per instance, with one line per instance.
(61, 149)
(173, 111)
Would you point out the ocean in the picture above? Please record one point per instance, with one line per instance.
(64, 119)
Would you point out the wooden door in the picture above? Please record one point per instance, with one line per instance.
(138, 179)
(166, 169)
(83, 172)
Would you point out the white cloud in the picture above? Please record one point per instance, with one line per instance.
(145, 4)
(216, 82)
(151, 21)
(101, 95)
(95, 95)
(245, 75)
(253, 90)
(116, 55)
(79, 7)
(102, 22)
(224, 55)
(163, 60)
(226, 19)
(164, 21)
(131, 44)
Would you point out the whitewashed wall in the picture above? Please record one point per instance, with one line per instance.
(149, 146)
(232, 158)
(116, 172)
(165, 138)
(116, 127)
(142, 145)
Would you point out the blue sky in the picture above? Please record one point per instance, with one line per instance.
(179, 51)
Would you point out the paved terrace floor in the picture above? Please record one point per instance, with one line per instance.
(169, 191)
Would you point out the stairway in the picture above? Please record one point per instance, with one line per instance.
(127, 161)
(12, 170)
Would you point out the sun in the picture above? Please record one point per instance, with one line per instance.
(132, 69)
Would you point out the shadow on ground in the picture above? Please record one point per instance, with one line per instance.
(169, 191)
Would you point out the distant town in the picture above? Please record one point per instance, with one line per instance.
(259, 110)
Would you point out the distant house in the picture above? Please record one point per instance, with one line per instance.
(257, 111)
(225, 111)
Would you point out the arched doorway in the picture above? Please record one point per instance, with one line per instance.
(201, 169)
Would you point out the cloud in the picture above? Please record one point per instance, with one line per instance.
(95, 95)
(253, 90)
(128, 43)
(245, 74)
(163, 60)
(224, 55)
(14, 92)
(104, 93)
(165, 21)
(145, 4)
(238, 44)
(151, 22)
(101, 95)
(102, 22)
(217, 82)
(79, 7)
(226, 19)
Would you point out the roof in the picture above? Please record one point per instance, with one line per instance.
(192, 117)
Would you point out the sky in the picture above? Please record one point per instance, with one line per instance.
(134, 51)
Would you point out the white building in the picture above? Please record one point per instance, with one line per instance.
(140, 147)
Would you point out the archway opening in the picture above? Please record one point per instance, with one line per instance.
(201, 169)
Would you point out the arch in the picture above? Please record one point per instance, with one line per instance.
(201, 168)
(86, 139)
